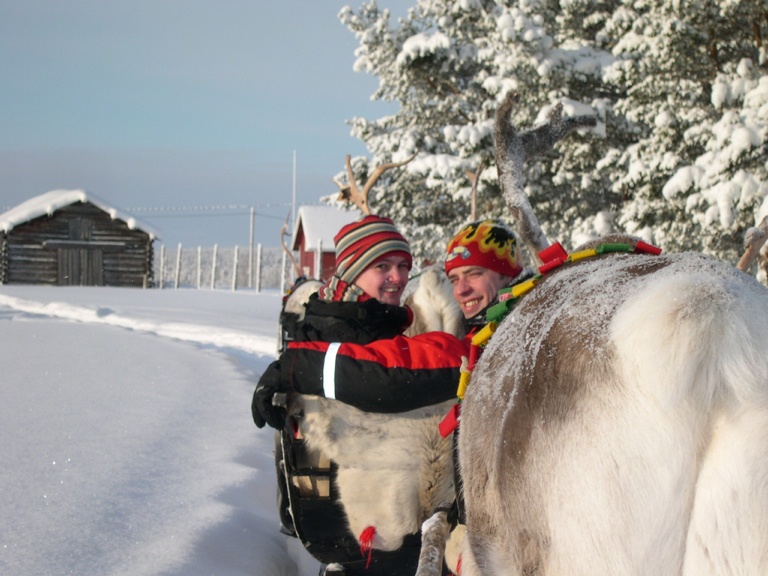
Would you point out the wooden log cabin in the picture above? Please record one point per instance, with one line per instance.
(73, 238)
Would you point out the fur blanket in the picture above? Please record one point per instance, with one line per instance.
(393, 469)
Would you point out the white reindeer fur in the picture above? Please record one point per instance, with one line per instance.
(650, 456)
(430, 297)
(295, 304)
(393, 469)
(300, 296)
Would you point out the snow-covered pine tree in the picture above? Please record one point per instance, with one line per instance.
(696, 87)
(644, 68)
(448, 64)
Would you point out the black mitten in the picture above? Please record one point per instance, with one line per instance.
(264, 412)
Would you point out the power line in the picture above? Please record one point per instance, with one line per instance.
(210, 208)
(152, 217)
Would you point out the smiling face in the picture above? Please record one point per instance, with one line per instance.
(475, 287)
(385, 280)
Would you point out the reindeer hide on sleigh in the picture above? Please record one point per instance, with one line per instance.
(394, 470)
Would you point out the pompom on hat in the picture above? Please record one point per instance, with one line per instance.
(358, 245)
(485, 243)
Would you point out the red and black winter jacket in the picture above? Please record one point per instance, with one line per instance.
(356, 355)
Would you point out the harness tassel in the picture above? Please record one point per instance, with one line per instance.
(366, 543)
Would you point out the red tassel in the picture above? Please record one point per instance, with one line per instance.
(554, 252)
(366, 543)
(551, 265)
(474, 355)
(643, 248)
(451, 421)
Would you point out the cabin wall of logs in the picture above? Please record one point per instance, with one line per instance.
(78, 245)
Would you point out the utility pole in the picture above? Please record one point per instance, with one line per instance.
(293, 218)
(250, 253)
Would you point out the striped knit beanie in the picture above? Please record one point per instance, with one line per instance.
(360, 244)
(485, 243)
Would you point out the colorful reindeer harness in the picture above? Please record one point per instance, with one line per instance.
(552, 258)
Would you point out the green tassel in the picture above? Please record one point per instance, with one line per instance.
(608, 248)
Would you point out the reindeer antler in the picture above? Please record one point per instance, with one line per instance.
(284, 232)
(754, 240)
(512, 149)
(351, 193)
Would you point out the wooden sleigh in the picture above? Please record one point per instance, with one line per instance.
(340, 491)
(356, 487)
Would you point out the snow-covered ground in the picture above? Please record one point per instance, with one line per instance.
(127, 440)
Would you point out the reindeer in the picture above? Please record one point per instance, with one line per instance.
(617, 422)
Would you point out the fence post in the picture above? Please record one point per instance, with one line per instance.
(178, 268)
(234, 268)
(258, 267)
(162, 266)
(213, 266)
(199, 266)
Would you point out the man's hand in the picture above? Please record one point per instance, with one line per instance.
(264, 412)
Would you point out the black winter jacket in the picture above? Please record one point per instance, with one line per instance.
(353, 352)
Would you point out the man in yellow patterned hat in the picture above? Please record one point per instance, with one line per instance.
(482, 259)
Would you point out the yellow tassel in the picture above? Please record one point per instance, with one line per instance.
(463, 383)
(520, 289)
(485, 334)
(583, 254)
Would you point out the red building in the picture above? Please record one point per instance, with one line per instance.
(314, 229)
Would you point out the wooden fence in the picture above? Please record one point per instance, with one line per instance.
(221, 268)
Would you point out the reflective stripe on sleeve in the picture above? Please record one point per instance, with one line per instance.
(329, 370)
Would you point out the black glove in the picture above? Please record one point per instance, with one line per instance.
(264, 412)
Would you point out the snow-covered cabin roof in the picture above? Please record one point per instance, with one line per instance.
(48, 203)
(321, 223)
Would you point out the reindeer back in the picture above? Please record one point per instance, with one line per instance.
(595, 408)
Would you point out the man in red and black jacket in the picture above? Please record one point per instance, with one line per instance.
(349, 346)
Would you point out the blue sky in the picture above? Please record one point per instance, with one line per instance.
(172, 103)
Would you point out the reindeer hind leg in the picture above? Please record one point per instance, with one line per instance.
(728, 533)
